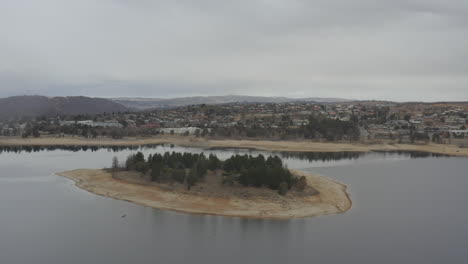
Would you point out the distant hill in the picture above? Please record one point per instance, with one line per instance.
(148, 103)
(32, 106)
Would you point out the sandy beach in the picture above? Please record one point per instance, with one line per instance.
(260, 203)
(298, 146)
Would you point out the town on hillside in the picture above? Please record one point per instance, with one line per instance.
(364, 121)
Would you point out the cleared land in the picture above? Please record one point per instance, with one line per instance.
(299, 146)
(213, 198)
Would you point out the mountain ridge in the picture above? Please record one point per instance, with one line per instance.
(37, 105)
(149, 103)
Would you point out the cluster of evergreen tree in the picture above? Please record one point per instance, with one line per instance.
(188, 168)
(258, 172)
(174, 166)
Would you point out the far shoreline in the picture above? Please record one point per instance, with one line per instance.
(331, 199)
(263, 145)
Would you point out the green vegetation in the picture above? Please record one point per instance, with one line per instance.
(188, 168)
(316, 128)
(258, 171)
(115, 163)
(331, 129)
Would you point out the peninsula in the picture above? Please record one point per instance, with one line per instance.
(241, 186)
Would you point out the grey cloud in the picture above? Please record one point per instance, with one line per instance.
(400, 50)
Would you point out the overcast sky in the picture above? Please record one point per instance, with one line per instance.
(360, 49)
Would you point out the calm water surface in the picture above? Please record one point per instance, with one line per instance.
(405, 210)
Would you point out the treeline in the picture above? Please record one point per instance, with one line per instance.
(331, 129)
(258, 172)
(185, 167)
(317, 128)
(189, 168)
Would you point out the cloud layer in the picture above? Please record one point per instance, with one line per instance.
(362, 49)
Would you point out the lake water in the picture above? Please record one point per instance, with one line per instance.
(405, 210)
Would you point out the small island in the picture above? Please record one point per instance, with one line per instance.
(242, 185)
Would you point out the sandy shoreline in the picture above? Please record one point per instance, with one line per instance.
(298, 146)
(332, 197)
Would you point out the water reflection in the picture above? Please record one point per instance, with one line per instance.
(73, 148)
(413, 154)
(353, 155)
(322, 156)
(307, 156)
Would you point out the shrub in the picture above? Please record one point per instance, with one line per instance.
(178, 175)
(141, 167)
(283, 188)
(301, 183)
(156, 168)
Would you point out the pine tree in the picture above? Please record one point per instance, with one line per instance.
(115, 163)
